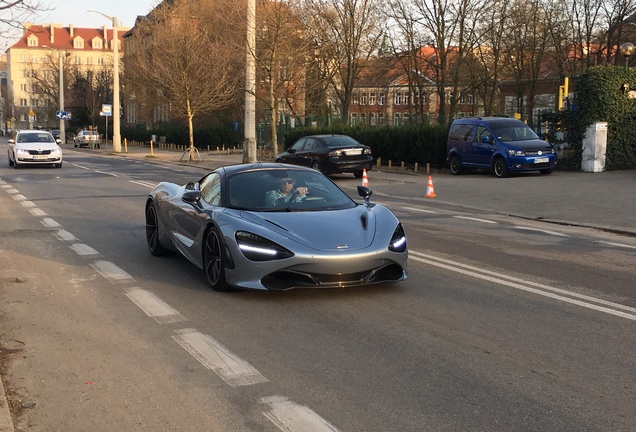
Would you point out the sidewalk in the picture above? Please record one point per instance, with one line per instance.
(604, 200)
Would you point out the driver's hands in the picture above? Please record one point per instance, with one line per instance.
(301, 191)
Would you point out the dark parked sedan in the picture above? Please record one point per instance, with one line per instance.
(329, 154)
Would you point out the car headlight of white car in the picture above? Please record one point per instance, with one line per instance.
(57, 151)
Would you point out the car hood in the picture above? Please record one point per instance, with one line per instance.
(37, 146)
(347, 229)
(529, 145)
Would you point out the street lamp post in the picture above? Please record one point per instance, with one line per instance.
(627, 49)
(116, 128)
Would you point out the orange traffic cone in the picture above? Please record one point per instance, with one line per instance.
(365, 179)
(430, 190)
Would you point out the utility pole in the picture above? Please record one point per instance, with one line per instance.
(249, 146)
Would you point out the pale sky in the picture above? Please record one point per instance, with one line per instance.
(74, 12)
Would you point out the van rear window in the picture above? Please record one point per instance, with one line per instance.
(460, 132)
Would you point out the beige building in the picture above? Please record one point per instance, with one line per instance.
(33, 68)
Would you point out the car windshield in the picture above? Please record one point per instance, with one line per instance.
(340, 141)
(513, 131)
(35, 137)
(265, 190)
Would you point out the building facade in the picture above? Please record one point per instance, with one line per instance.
(33, 68)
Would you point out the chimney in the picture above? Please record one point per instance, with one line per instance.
(70, 29)
(52, 33)
(105, 37)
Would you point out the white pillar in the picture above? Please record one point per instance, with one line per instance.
(249, 146)
(594, 148)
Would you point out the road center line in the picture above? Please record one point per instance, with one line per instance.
(475, 219)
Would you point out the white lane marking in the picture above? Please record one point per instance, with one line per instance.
(19, 197)
(83, 250)
(475, 219)
(38, 212)
(144, 183)
(64, 235)
(12, 191)
(499, 278)
(416, 209)
(618, 245)
(28, 204)
(6, 186)
(80, 166)
(107, 173)
(519, 227)
(50, 223)
(153, 306)
(291, 417)
(110, 271)
(211, 354)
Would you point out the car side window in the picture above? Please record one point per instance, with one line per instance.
(310, 144)
(482, 132)
(211, 189)
(461, 132)
(298, 145)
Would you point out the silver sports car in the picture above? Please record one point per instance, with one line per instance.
(276, 227)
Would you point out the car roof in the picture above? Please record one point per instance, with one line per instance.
(260, 166)
(31, 131)
(487, 120)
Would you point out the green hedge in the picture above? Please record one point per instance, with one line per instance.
(175, 133)
(602, 97)
(408, 144)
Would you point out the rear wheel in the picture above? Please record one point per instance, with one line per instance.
(357, 174)
(152, 232)
(499, 168)
(455, 166)
(214, 261)
(315, 165)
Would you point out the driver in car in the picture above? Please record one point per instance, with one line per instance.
(286, 193)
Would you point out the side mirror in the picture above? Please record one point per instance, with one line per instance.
(365, 192)
(11, 141)
(191, 196)
(485, 139)
(59, 141)
(291, 150)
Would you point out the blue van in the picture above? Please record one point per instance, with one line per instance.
(504, 145)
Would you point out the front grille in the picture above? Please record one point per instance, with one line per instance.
(544, 153)
(39, 152)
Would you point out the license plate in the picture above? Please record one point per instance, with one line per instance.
(541, 160)
(40, 157)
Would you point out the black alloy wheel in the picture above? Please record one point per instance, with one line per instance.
(214, 261)
(316, 165)
(455, 166)
(499, 168)
(152, 232)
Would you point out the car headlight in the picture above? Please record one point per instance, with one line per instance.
(56, 151)
(367, 151)
(516, 152)
(21, 151)
(257, 248)
(398, 240)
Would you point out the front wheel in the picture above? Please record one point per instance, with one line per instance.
(546, 171)
(10, 160)
(455, 166)
(214, 261)
(152, 232)
(358, 174)
(315, 165)
(499, 168)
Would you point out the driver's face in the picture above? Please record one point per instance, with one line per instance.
(287, 184)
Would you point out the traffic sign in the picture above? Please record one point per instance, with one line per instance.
(107, 110)
(62, 115)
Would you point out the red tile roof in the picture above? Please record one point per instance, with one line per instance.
(62, 37)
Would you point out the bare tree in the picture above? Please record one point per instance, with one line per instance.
(345, 33)
(44, 80)
(15, 12)
(90, 89)
(281, 57)
(186, 60)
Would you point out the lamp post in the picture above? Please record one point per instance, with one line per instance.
(115, 42)
(627, 49)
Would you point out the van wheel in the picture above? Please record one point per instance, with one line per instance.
(499, 168)
(455, 166)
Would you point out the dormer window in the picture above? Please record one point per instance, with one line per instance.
(32, 41)
(97, 43)
(78, 43)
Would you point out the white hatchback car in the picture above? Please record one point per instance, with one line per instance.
(34, 147)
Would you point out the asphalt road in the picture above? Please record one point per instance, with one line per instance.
(507, 322)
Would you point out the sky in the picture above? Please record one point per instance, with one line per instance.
(74, 12)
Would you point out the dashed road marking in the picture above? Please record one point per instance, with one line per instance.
(292, 417)
(153, 306)
(475, 219)
(83, 250)
(111, 272)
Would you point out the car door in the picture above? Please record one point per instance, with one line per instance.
(483, 146)
(293, 155)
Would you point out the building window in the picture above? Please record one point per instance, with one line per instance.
(78, 43)
(78, 60)
(354, 119)
(97, 43)
(100, 61)
(23, 87)
(372, 119)
(23, 102)
(398, 98)
(89, 60)
(34, 102)
(22, 58)
(363, 119)
(381, 98)
(355, 98)
(363, 99)
(406, 97)
(34, 59)
(396, 119)
(33, 41)
(380, 119)
(405, 118)
(372, 98)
